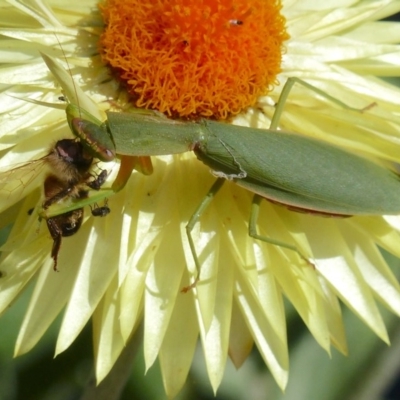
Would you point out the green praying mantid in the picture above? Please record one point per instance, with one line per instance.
(299, 172)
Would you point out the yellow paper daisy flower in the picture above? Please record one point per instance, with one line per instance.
(129, 268)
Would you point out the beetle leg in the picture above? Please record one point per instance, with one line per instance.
(98, 182)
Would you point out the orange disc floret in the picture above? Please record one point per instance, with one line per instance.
(192, 58)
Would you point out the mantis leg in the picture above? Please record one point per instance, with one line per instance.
(287, 87)
(256, 199)
(192, 222)
(255, 211)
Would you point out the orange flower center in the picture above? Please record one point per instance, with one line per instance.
(193, 58)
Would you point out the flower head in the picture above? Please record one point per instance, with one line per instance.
(209, 58)
(135, 261)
